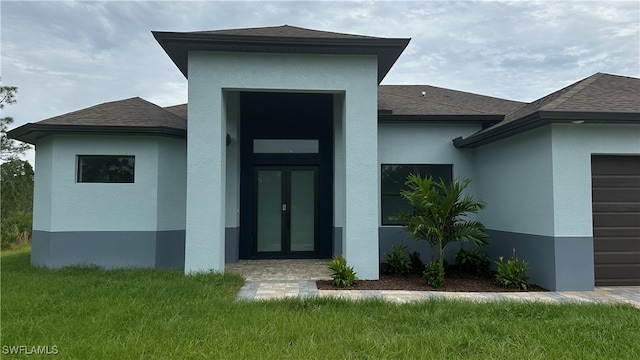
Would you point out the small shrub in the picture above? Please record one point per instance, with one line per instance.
(483, 267)
(513, 273)
(15, 230)
(439, 214)
(341, 274)
(10, 235)
(396, 263)
(417, 266)
(434, 274)
(445, 264)
(473, 261)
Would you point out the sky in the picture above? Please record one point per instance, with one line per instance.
(67, 55)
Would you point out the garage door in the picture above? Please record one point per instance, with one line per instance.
(616, 219)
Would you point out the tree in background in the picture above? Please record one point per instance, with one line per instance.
(16, 191)
(10, 149)
(16, 195)
(17, 187)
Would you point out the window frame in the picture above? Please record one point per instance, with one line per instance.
(79, 179)
(385, 220)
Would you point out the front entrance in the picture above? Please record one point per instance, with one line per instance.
(286, 221)
(286, 177)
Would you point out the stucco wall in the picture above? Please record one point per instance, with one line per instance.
(338, 163)
(538, 188)
(43, 182)
(573, 145)
(339, 176)
(515, 179)
(154, 202)
(210, 74)
(427, 144)
(232, 217)
(539, 182)
(232, 199)
(111, 225)
(98, 206)
(172, 184)
(422, 143)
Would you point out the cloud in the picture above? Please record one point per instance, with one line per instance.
(68, 55)
(521, 50)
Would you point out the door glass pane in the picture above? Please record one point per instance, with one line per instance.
(285, 146)
(269, 210)
(303, 210)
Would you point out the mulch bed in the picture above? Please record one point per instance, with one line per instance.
(454, 281)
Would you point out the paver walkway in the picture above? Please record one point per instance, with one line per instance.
(289, 269)
(278, 279)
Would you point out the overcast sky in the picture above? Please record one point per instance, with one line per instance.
(64, 56)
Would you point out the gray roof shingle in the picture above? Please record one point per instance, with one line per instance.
(284, 31)
(129, 112)
(178, 110)
(129, 116)
(598, 92)
(600, 98)
(408, 100)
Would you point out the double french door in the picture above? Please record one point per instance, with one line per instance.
(286, 210)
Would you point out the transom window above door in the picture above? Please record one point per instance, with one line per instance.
(285, 146)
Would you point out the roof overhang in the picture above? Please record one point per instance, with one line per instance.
(31, 132)
(544, 117)
(178, 45)
(484, 120)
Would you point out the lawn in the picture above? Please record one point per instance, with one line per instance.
(86, 313)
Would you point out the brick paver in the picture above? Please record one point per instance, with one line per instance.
(279, 279)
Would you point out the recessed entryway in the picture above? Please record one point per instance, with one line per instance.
(286, 146)
(616, 219)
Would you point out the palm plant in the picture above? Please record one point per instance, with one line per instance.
(439, 214)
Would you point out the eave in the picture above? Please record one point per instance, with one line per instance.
(178, 45)
(544, 117)
(31, 132)
(486, 120)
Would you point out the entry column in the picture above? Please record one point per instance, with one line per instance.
(206, 172)
(360, 126)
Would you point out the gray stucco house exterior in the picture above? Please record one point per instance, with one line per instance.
(289, 147)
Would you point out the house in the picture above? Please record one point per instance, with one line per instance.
(294, 150)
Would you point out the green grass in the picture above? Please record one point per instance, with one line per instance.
(148, 314)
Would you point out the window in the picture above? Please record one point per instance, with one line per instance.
(106, 168)
(285, 146)
(393, 181)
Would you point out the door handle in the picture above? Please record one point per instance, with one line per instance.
(287, 217)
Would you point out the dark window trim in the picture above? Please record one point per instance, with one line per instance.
(79, 179)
